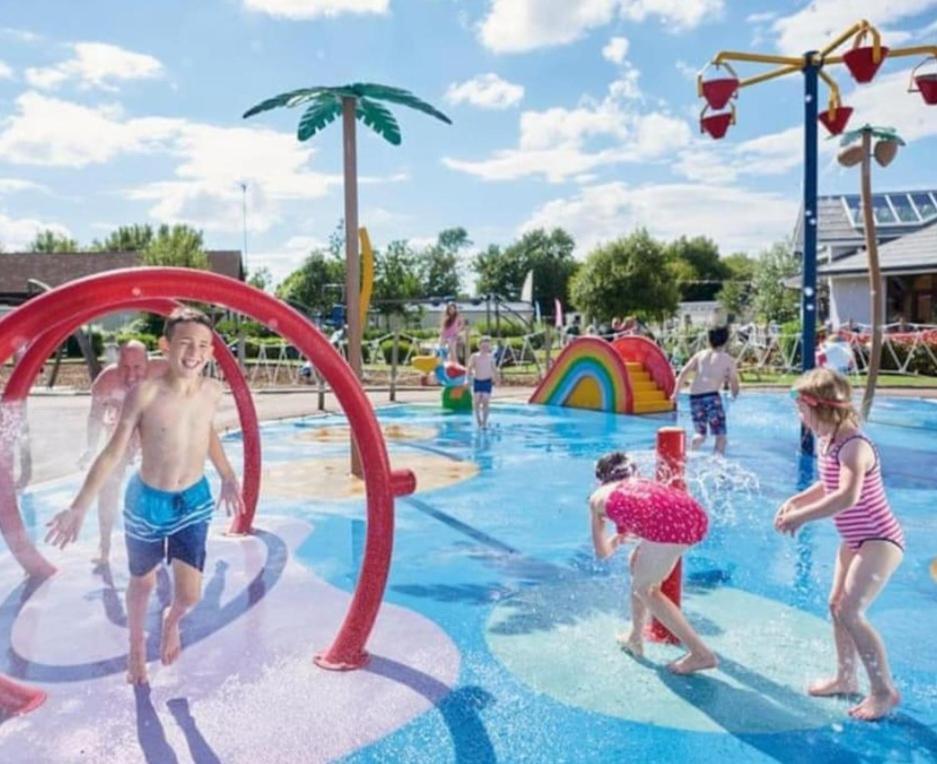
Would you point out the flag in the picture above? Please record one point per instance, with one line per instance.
(527, 291)
(558, 312)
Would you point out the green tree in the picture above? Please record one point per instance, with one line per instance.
(126, 238)
(697, 267)
(548, 255)
(180, 246)
(628, 276)
(396, 277)
(737, 290)
(261, 278)
(439, 263)
(316, 284)
(773, 300)
(49, 241)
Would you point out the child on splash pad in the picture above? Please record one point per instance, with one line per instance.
(713, 368)
(168, 504)
(484, 372)
(666, 522)
(850, 490)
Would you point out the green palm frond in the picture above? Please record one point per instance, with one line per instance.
(292, 98)
(880, 133)
(321, 113)
(398, 95)
(379, 119)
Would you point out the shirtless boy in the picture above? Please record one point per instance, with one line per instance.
(713, 368)
(484, 371)
(168, 504)
(107, 398)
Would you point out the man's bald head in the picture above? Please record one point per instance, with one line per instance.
(131, 362)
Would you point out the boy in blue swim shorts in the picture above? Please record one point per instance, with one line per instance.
(168, 504)
(712, 369)
(483, 370)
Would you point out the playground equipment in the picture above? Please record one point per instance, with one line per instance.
(451, 377)
(17, 699)
(628, 376)
(59, 307)
(862, 61)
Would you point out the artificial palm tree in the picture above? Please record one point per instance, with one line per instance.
(886, 146)
(359, 100)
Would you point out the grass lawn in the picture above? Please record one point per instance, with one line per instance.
(884, 380)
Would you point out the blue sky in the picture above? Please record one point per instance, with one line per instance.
(581, 114)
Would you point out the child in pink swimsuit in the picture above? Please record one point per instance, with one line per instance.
(850, 490)
(667, 522)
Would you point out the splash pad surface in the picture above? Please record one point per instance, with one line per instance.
(496, 642)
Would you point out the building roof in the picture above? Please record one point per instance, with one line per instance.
(912, 253)
(57, 268)
(897, 213)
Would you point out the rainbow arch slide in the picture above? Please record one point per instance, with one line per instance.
(628, 376)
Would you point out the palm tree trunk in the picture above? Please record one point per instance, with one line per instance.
(352, 265)
(875, 276)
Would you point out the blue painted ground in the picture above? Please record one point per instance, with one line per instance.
(503, 563)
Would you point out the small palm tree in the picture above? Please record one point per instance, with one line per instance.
(359, 100)
(886, 146)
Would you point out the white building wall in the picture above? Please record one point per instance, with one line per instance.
(850, 300)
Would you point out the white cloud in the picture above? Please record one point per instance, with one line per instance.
(514, 26)
(760, 18)
(561, 144)
(616, 50)
(14, 185)
(676, 14)
(6, 71)
(688, 72)
(96, 65)
(311, 9)
(22, 35)
(821, 20)
(738, 219)
(17, 234)
(487, 91)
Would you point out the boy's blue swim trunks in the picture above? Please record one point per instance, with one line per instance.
(170, 524)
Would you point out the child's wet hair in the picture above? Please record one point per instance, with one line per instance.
(184, 315)
(833, 396)
(718, 336)
(614, 466)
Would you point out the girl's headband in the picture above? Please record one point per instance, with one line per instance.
(813, 401)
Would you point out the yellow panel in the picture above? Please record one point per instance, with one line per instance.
(585, 395)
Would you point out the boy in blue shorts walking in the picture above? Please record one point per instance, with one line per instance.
(168, 504)
(713, 368)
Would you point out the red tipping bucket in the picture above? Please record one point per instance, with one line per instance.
(717, 92)
(716, 124)
(927, 84)
(860, 64)
(835, 125)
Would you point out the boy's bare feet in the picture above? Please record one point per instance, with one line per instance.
(692, 662)
(825, 688)
(875, 706)
(631, 643)
(170, 645)
(136, 665)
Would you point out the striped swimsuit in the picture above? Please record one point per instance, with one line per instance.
(870, 519)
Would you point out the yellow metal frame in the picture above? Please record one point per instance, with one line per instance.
(858, 32)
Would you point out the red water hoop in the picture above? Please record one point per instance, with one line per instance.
(925, 84)
(381, 483)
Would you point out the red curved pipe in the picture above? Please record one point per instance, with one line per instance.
(24, 374)
(16, 328)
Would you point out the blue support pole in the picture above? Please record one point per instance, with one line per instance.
(811, 221)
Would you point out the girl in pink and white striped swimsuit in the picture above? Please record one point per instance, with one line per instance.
(850, 490)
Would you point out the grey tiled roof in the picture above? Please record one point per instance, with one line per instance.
(913, 252)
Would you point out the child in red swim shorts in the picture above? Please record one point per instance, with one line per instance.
(667, 522)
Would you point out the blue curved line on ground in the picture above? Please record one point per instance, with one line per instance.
(203, 621)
